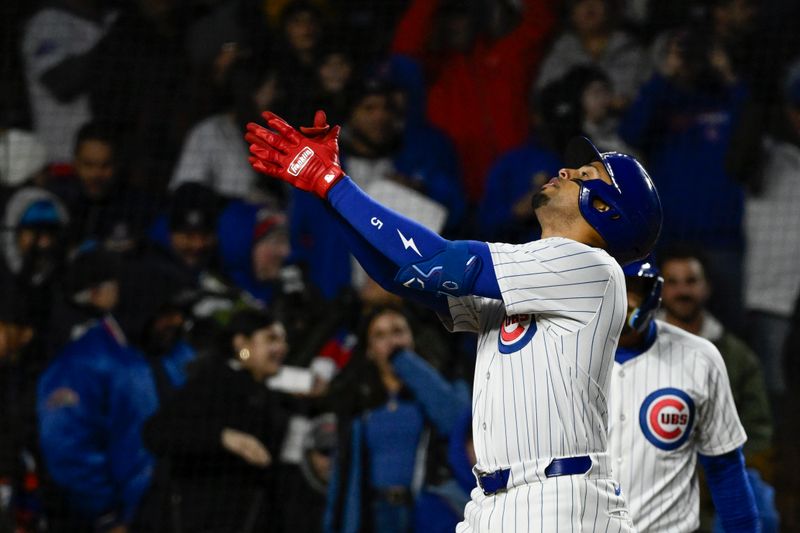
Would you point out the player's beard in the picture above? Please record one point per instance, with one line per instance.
(539, 200)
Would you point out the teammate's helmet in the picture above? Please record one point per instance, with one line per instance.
(631, 225)
(648, 272)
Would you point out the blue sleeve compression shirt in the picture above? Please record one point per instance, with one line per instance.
(406, 257)
(730, 490)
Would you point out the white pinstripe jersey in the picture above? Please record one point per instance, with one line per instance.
(667, 405)
(544, 352)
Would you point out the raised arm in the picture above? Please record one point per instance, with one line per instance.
(421, 259)
(414, 28)
(527, 40)
(382, 270)
(440, 400)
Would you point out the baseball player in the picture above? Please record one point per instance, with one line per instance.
(670, 406)
(548, 314)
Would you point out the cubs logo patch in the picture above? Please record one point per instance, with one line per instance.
(515, 332)
(666, 418)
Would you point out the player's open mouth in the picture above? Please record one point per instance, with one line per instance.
(553, 182)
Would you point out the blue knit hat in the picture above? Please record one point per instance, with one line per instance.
(41, 213)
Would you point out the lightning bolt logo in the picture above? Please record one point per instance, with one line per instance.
(408, 243)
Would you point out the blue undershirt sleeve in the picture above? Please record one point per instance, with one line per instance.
(383, 271)
(731, 492)
(411, 247)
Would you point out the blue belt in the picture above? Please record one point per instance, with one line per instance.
(565, 466)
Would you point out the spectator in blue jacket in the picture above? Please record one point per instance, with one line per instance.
(253, 248)
(390, 405)
(93, 399)
(505, 213)
(682, 120)
(426, 158)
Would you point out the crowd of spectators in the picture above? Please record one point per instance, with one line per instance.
(186, 345)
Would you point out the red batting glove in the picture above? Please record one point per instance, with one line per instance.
(310, 164)
(320, 127)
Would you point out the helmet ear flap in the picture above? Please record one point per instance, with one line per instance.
(644, 314)
(636, 321)
(600, 206)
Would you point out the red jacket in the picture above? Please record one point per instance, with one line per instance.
(479, 98)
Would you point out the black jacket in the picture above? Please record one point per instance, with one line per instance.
(208, 487)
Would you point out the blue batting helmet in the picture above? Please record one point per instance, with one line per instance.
(631, 225)
(648, 271)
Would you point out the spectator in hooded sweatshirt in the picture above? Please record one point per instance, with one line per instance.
(89, 291)
(35, 222)
(185, 238)
(682, 121)
(94, 397)
(254, 248)
(477, 74)
(186, 241)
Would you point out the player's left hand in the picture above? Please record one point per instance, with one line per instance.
(310, 164)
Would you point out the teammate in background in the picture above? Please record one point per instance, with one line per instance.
(670, 406)
(687, 290)
(548, 314)
(686, 293)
